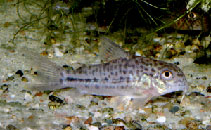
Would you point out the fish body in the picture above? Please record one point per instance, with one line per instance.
(136, 77)
(126, 77)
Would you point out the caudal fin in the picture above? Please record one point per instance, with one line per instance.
(48, 73)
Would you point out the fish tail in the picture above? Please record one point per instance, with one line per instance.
(49, 75)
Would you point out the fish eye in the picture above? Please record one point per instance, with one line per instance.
(192, 15)
(167, 75)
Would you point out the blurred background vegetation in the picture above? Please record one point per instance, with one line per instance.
(137, 23)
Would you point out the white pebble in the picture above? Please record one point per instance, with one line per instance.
(93, 128)
(206, 120)
(28, 97)
(138, 54)
(12, 96)
(161, 119)
(36, 106)
(10, 74)
(28, 128)
(142, 111)
(156, 39)
(97, 114)
(6, 110)
(58, 53)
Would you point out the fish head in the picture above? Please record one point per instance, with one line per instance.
(169, 78)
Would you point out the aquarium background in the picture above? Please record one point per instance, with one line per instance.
(68, 32)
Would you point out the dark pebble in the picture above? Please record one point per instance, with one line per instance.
(65, 66)
(174, 109)
(11, 127)
(209, 89)
(55, 99)
(19, 72)
(109, 121)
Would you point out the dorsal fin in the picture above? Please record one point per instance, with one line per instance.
(111, 51)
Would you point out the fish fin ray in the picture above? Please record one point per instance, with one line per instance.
(48, 86)
(139, 102)
(110, 50)
(48, 73)
(125, 102)
(120, 102)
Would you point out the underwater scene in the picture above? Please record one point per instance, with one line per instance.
(105, 65)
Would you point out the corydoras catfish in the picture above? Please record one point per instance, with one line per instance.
(136, 77)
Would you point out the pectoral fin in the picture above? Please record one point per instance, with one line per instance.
(139, 102)
(120, 102)
(125, 102)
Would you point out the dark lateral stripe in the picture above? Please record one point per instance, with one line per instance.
(70, 79)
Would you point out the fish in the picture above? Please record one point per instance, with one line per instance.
(120, 75)
(193, 21)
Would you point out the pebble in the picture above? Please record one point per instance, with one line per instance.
(161, 119)
(206, 120)
(24, 79)
(108, 128)
(73, 119)
(53, 41)
(180, 35)
(157, 39)
(93, 127)
(209, 89)
(109, 121)
(44, 53)
(12, 96)
(196, 41)
(174, 109)
(36, 106)
(138, 54)
(68, 128)
(141, 111)
(11, 127)
(201, 87)
(6, 110)
(119, 128)
(27, 97)
(29, 128)
(55, 99)
(58, 53)
(88, 121)
(188, 49)
(97, 114)
(19, 72)
(10, 74)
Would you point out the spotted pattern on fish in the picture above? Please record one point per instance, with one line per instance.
(138, 73)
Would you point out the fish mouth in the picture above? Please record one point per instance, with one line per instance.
(178, 88)
(183, 88)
